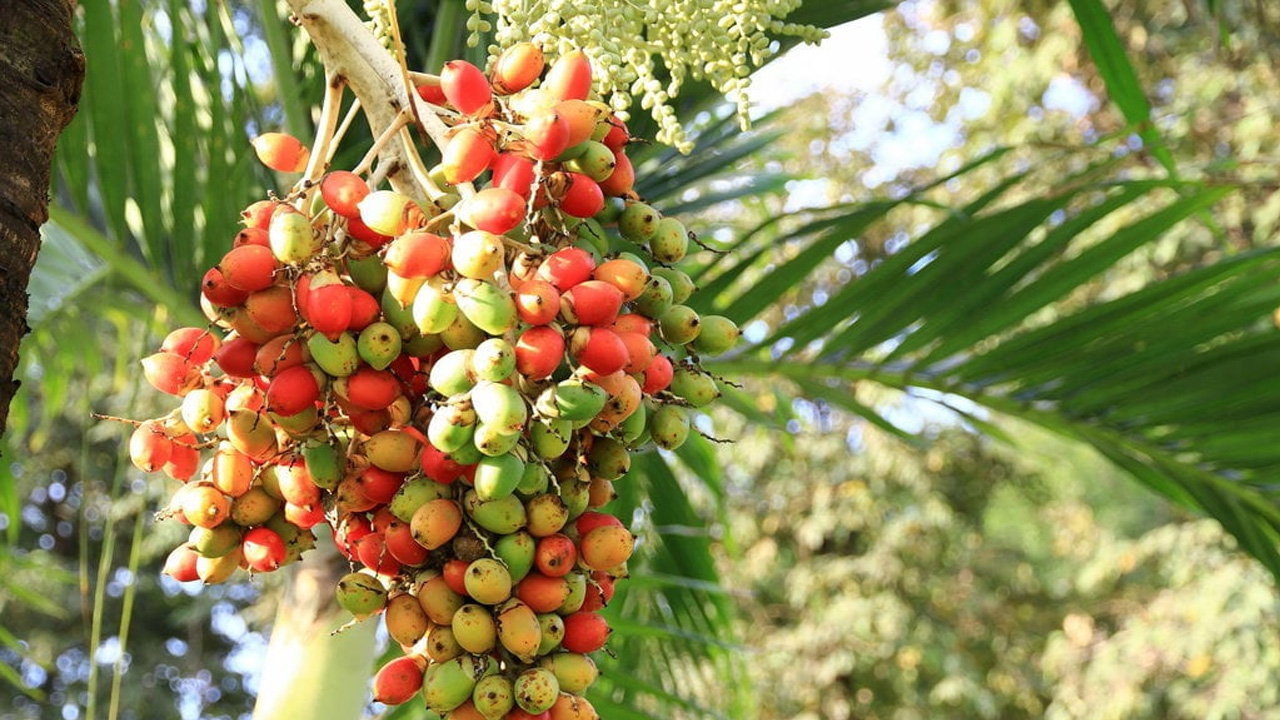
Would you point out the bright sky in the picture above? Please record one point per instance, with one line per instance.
(855, 57)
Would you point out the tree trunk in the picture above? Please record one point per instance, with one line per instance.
(308, 672)
(41, 71)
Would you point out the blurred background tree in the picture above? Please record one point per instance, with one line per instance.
(882, 548)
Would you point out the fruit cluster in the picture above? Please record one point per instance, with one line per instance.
(452, 386)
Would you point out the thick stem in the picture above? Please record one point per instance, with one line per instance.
(310, 672)
(41, 71)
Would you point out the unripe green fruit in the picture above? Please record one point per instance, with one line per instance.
(550, 436)
(633, 427)
(254, 507)
(576, 496)
(493, 441)
(494, 697)
(499, 405)
(337, 358)
(638, 222)
(680, 324)
(682, 286)
(361, 595)
(468, 454)
(216, 541)
(379, 345)
(516, 551)
(449, 684)
(497, 477)
(669, 427)
(324, 464)
(419, 345)
(608, 459)
(536, 690)
(368, 273)
(398, 316)
(671, 241)
(435, 308)
(552, 632)
(592, 237)
(452, 426)
(486, 305)
(494, 360)
(655, 298)
(577, 593)
(577, 400)
(442, 646)
(534, 481)
(719, 334)
(413, 494)
(697, 388)
(596, 161)
(451, 373)
(503, 516)
(475, 629)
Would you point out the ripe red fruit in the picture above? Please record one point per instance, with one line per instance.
(342, 191)
(171, 373)
(591, 302)
(149, 447)
(599, 591)
(184, 460)
(465, 87)
(569, 77)
(364, 309)
(539, 352)
(197, 345)
(468, 154)
(279, 353)
(517, 67)
(584, 632)
(547, 135)
(555, 555)
(591, 520)
(455, 575)
(495, 209)
(417, 255)
(640, 352)
(433, 94)
(328, 309)
(515, 173)
(264, 549)
(582, 197)
(599, 349)
(218, 291)
(296, 485)
(622, 179)
(372, 551)
(541, 593)
(372, 389)
(304, 516)
(181, 564)
(365, 234)
(658, 375)
(281, 151)
(380, 485)
(567, 267)
(258, 215)
(439, 466)
(236, 357)
(251, 236)
(272, 309)
(538, 302)
(618, 136)
(582, 118)
(291, 391)
(399, 680)
(400, 543)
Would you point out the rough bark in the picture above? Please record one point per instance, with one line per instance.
(41, 71)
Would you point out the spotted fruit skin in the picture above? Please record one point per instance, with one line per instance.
(450, 377)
